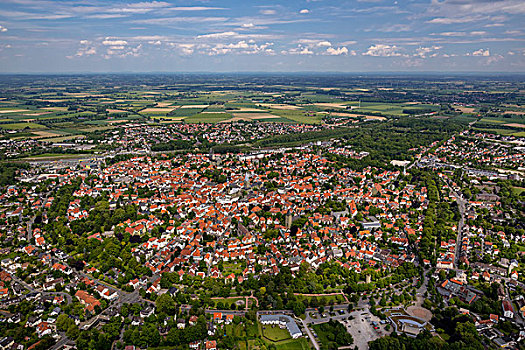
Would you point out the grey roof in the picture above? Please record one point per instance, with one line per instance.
(290, 322)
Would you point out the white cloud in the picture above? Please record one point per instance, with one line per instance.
(304, 11)
(123, 52)
(324, 43)
(3, 29)
(450, 34)
(480, 32)
(194, 8)
(217, 35)
(481, 52)
(423, 52)
(299, 50)
(172, 20)
(110, 42)
(456, 19)
(268, 12)
(241, 47)
(396, 28)
(149, 4)
(337, 51)
(84, 50)
(139, 7)
(248, 25)
(381, 50)
(186, 49)
(463, 7)
(445, 20)
(107, 16)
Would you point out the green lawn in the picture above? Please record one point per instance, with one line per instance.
(294, 344)
(52, 156)
(518, 190)
(274, 333)
(237, 331)
(232, 267)
(227, 301)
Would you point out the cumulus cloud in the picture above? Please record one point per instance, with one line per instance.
(493, 59)
(114, 42)
(337, 51)
(381, 50)
(324, 43)
(123, 51)
(304, 11)
(241, 47)
(3, 29)
(85, 49)
(299, 50)
(423, 52)
(186, 49)
(481, 52)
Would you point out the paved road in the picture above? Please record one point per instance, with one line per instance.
(310, 335)
(43, 293)
(420, 293)
(459, 239)
(63, 340)
(32, 220)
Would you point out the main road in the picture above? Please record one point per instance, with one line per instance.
(459, 239)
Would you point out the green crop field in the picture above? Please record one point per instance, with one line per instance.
(21, 126)
(207, 117)
(297, 116)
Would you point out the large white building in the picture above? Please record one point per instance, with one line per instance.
(282, 321)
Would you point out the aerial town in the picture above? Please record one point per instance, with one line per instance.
(348, 225)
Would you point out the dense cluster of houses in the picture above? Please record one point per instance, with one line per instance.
(475, 148)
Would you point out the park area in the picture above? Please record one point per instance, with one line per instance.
(254, 336)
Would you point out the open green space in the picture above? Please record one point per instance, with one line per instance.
(56, 156)
(298, 116)
(332, 334)
(208, 117)
(21, 126)
(518, 190)
(227, 302)
(275, 333)
(322, 300)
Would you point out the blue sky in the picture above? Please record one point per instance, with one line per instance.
(263, 36)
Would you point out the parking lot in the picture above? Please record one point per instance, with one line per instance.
(361, 327)
(361, 324)
(315, 317)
